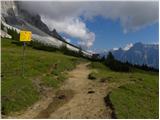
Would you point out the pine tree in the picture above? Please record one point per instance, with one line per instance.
(2, 26)
(110, 59)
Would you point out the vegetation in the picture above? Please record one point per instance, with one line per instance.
(137, 100)
(2, 26)
(41, 46)
(119, 66)
(133, 88)
(92, 76)
(142, 67)
(15, 35)
(18, 92)
(12, 32)
(63, 49)
(133, 94)
(95, 57)
(67, 51)
(116, 65)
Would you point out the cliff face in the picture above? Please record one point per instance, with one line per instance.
(8, 8)
(14, 15)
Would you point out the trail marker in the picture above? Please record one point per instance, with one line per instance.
(25, 36)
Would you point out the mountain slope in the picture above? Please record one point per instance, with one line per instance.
(14, 17)
(139, 54)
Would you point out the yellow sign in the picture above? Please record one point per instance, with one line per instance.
(25, 36)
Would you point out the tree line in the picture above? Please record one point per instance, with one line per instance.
(12, 32)
(42, 46)
(119, 66)
(109, 61)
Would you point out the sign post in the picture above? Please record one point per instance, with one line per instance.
(25, 36)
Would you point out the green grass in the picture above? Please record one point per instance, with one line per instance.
(138, 94)
(111, 76)
(18, 93)
(137, 100)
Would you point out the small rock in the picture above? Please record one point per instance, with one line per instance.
(61, 97)
(89, 92)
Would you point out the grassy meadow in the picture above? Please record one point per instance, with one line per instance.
(17, 92)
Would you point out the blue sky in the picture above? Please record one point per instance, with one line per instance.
(109, 34)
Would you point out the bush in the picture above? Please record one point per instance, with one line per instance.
(92, 76)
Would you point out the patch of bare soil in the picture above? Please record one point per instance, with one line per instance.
(61, 97)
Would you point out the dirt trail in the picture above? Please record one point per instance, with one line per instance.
(83, 104)
(78, 98)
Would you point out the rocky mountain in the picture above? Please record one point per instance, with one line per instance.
(139, 54)
(14, 15)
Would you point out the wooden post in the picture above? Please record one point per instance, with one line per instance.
(23, 59)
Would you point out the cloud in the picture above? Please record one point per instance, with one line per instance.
(66, 16)
(115, 48)
(73, 27)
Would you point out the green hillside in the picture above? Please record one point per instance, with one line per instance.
(18, 92)
(132, 95)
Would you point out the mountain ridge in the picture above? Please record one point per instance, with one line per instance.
(139, 53)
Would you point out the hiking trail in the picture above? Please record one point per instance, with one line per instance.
(78, 97)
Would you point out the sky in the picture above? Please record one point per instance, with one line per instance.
(109, 34)
(99, 26)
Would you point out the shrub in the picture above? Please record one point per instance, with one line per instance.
(92, 76)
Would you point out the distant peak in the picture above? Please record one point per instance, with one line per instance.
(128, 46)
(138, 43)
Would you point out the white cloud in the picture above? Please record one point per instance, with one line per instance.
(65, 16)
(73, 27)
(115, 48)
